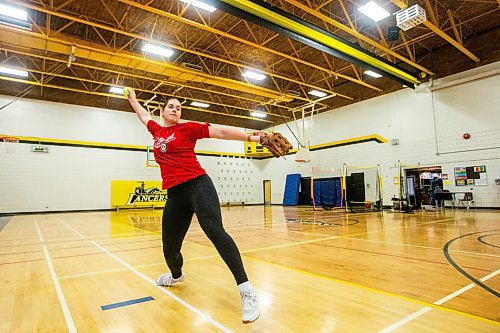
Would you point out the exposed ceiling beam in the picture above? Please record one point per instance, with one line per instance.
(440, 33)
(95, 25)
(357, 35)
(291, 26)
(86, 50)
(89, 92)
(458, 37)
(131, 76)
(241, 40)
(281, 97)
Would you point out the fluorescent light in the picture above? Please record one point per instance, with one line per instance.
(200, 104)
(116, 90)
(14, 12)
(13, 71)
(162, 51)
(200, 5)
(317, 93)
(374, 11)
(254, 75)
(258, 114)
(373, 74)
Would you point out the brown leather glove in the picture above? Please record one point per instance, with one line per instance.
(276, 143)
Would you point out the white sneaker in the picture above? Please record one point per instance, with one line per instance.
(251, 308)
(167, 280)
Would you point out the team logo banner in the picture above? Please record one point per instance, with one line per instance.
(137, 193)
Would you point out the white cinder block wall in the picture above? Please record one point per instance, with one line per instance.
(429, 126)
(79, 178)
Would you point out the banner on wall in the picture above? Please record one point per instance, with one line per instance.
(137, 193)
(471, 176)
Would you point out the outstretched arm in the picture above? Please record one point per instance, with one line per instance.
(277, 144)
(231, 134)
(141, 112)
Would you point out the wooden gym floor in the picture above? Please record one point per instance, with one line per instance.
(319, 271)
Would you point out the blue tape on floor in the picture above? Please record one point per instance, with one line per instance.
(120, 304)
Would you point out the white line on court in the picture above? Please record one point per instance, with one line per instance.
(186, 304)
(438, 302)
(73, 229)
(422, 247)
(125, 268)
(132, 269)
(64, 305)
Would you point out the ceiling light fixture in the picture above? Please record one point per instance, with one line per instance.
(372, 74)
(200, 5)
(200, 104)
(14, 12)
(254, 75)
(258, 114)
(317, 93)
(14, 17)
(374, 11)
(13, 71)
(116, 90)
(158, 50)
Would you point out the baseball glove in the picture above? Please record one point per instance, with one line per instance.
(276, 143)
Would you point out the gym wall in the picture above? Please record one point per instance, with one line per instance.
(78, 176)
(429, 127)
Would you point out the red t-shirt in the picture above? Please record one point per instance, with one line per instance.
(174, 151)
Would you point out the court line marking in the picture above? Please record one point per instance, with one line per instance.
(392, 243)
(126, 303)
(326, 238)
(62, 301)
(333, 237)
(422, 311)
(139, 266)
(121, 235)
(423, 247)
(335, 280)
(359, 239)
(357, 285)
(378, 291)
(165, 291)
(147, 279)
(460, 269)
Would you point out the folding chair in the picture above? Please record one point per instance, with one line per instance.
(468, 198)
(441, 197)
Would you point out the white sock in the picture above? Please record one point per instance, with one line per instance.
(245, 286)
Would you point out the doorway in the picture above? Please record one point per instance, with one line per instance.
(418, 183)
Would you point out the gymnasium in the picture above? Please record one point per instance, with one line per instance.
(383, 216)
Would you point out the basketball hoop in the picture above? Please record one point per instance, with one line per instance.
(9, 139)
(9, 149)
(308, 120)
(303, 155)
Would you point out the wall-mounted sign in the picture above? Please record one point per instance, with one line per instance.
(137, 193)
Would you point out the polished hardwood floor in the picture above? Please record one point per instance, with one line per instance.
(315, 271)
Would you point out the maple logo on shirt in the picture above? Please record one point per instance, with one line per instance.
(161, 143)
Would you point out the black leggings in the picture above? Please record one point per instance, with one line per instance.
(197, 196)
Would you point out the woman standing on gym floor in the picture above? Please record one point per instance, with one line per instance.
(191, 191)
